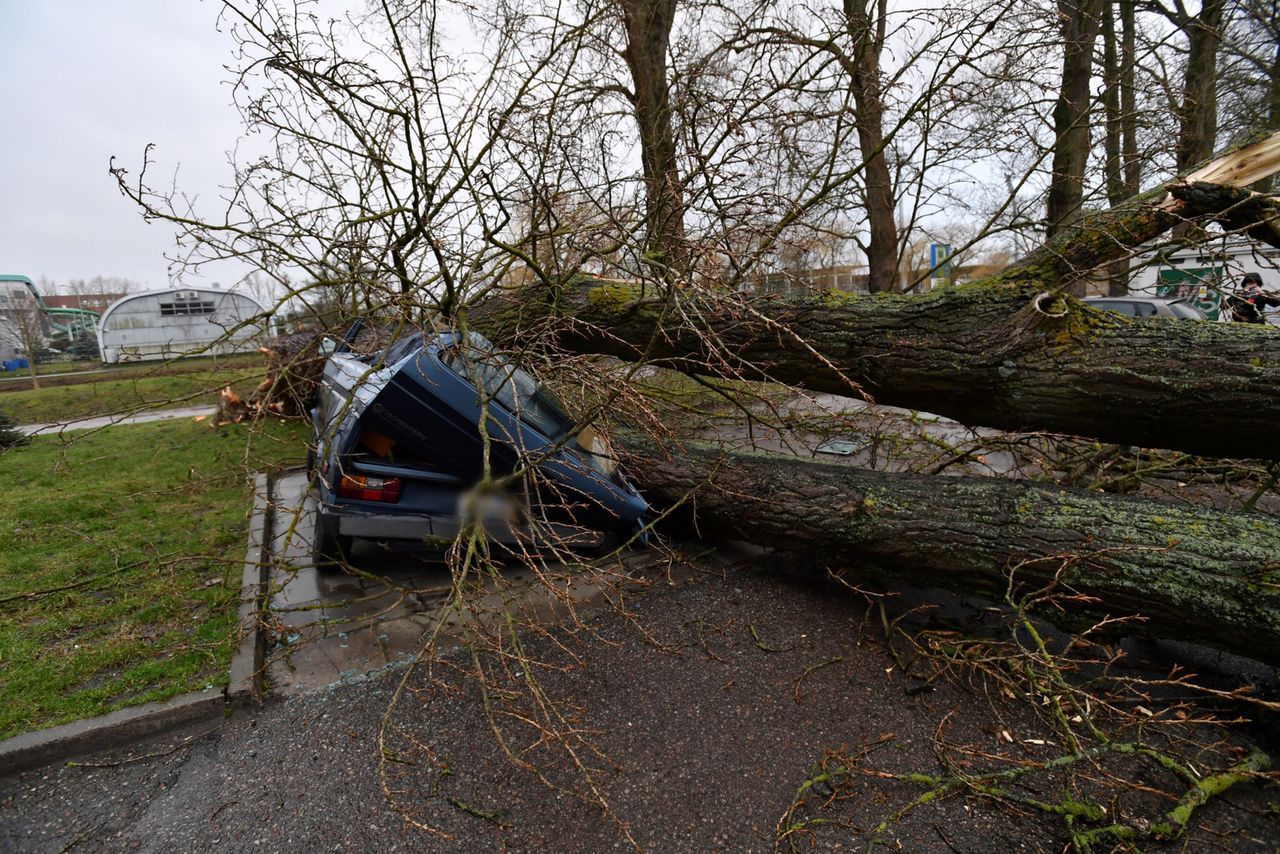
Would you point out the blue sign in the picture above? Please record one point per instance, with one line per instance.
(940, 260)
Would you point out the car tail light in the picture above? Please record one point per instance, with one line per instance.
(369, 488)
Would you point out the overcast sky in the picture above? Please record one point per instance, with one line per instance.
(85, 80)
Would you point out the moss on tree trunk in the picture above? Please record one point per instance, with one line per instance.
(1188, 573)
(995, 354)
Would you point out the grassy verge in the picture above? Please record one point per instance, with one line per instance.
(133, 387)
(120, 561)
(52, 369)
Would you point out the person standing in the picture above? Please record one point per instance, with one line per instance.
(1250, 303)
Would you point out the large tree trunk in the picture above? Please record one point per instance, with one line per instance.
(1121, 140)
(982, 356)
(1005, 353)
(1187, 573)
(648, 25)
(1080, 23)
(867, 32)
(1198, 110)
(1198, 114)
(1273, 108)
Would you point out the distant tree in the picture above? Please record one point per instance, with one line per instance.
(261, 287)
(92, 286)
(26, 321)
(10, 435)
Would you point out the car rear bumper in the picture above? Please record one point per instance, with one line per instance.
(438, 529)
(441, 530)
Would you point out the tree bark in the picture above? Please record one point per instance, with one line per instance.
(1080, 23)
(867, 33)
(648, 25)
(1186, 573)
(1273, 91)
(1005, 352)
(1129, 96)
(1121, 123)
(1198, 115)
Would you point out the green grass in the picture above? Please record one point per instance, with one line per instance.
(121, 554)
(53, 368)
(132, 387)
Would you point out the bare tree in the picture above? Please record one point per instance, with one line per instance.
(1122, 165)
(1249, 73)
(648, 26)
(866, 22)
(1080, 21)
(23, 321)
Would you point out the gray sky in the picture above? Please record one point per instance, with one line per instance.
(88, 79)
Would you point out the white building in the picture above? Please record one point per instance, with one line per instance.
(22, 318)
(1206, 272)
(10, 341)
(166, 324)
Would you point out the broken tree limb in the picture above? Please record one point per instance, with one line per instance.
(1215, 190)
(1187, 573)
(1007, 352)
(295, 364)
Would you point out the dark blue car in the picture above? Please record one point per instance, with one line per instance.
(397, 450)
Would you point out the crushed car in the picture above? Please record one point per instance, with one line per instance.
(397, 451)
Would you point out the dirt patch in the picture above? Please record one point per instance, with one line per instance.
(695, 715)
(711, 715)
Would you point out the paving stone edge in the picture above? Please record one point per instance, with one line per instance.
(122, 727)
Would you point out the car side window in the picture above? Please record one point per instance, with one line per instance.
(1143, 309)
(1120, 307)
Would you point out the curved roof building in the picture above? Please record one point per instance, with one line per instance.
(166, 324)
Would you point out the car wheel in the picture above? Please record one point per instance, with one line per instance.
(331, 550)
(609, 542)
(311, 462)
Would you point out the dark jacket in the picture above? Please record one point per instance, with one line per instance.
(1251, 306)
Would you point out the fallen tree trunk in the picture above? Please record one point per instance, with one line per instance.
(1008, 352)
(1187, 573)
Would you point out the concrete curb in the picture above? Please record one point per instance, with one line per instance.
(245, 682)
(125, 726)
(116, 729)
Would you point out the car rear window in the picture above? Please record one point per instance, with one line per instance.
(403, 347)
(515, 389)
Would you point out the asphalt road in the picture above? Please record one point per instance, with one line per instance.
(702, 707)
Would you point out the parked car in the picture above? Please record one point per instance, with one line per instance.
(397, 445)
(1136, 306)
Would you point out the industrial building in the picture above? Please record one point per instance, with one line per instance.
(166, 324)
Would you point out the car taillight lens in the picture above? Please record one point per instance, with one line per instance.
(363, 488)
